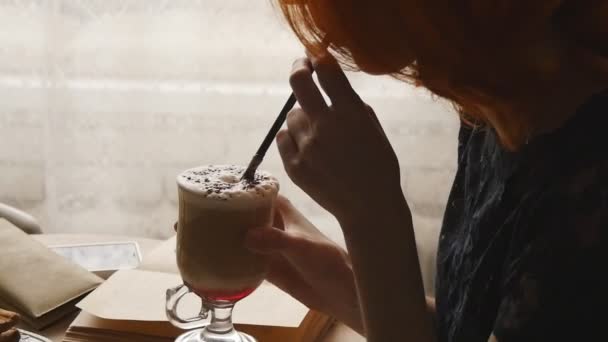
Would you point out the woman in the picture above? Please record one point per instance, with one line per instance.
(523, 250)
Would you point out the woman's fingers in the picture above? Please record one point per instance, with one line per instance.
(333, 81)
(8, 319)
(331, 78)
(278, 221)
(304, 88)
(267, 240)
(295, 220)
(289, 152)
(287, 146)
(289, 213)
(11, 335)
(273, 240)
(299, 127)
(285, 213)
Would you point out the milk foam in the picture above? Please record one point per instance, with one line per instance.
(222, 183)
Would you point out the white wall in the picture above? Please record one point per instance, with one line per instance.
(102, 103)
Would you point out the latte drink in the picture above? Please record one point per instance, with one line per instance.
(216, 209)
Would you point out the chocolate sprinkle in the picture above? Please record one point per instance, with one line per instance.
(208, 179)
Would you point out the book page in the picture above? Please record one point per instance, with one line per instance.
(94, 327)
(88, 322)
(140, 295)
(161, 258)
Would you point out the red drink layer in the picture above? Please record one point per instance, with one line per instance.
(220, 295)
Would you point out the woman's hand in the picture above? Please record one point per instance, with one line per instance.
(307, 265)
(338, 154)
(8, 321)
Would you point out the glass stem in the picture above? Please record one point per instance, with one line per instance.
(221, 319)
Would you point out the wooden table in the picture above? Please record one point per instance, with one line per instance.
(339, 333)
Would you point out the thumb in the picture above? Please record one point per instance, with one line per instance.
(287, 212)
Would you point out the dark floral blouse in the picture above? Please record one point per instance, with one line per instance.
(523, 252)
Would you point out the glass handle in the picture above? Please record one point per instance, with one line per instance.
(174, 295)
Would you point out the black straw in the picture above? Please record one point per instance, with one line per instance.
(276, 126)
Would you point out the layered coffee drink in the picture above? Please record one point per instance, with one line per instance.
(216, 209)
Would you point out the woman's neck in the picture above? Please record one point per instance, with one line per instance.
(549, 108)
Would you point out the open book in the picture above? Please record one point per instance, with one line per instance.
(130, 306)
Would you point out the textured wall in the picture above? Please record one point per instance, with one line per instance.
(104, 102)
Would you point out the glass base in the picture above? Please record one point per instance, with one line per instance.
(195, 336)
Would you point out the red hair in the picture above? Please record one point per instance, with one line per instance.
(479, 54)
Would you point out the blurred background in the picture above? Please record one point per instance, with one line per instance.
(103, 102)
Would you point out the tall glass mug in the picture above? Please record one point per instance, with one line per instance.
(215, 211)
